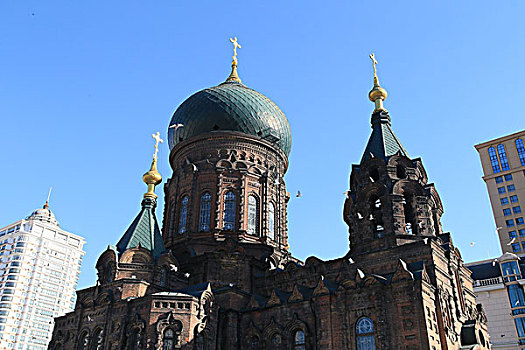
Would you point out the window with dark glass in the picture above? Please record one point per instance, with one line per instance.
(510, 223)
(252, 228)
(510, 270)
(229, 211)
(365, 334)
(519, 221)
(498, 179)
(513, 234)
(504, 201)
(494, 160)
(522, 232)
(299, 341)
(503, 158)
(516, 247)
(516, 210)
(521, 150)
(513, 199)
(276, 341)
(183, 215)
(501, 190)
(506, 211)
(516, 296)
(520, 326)
(508, 177)
(511, 188)
(523, 245)
(205, 212)
(271, 221)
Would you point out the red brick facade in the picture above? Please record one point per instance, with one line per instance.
(238, 287)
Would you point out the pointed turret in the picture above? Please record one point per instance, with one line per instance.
(144, 230)
(382, 143)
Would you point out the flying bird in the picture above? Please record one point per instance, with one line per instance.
(347, 194)
(173, 267)
(231, 285)
(187, 275)
(425, 240)
(89, 319)
(351, 261)
(472, 244)
(361, 273)
(512, 241)
(298, 194)
(371, 155)
(371, 179)
(420, 224)
(371, 217)
(194, 168)
(359, 216)
(176, 126)
(494, 262)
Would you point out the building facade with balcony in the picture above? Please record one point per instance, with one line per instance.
(39, 269)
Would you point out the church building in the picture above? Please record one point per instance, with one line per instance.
(218, 274)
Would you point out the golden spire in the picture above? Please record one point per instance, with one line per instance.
(152, 178)
(233, 75)
(377, 94)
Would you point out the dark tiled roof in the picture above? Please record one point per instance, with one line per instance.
(144, 230)
(234, 107)
(484, 271)
(383, 142)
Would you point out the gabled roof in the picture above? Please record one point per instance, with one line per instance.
(144, 230)
(383, 143)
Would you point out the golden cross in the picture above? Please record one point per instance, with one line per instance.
(374, 62)
(235, 46)
(157, 140)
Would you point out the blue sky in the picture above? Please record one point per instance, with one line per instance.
(84, 84)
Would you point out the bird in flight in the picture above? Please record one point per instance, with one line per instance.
(298, 194)
(472, 244)
(173, 267)
(512, 241)
(176, 126)
(359, 216)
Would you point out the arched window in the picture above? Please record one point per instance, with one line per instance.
(364, 330)
(83, 341)
(204, 212)
(200, 343)
(521, 150)
(168, 339)
(494, 160)
(503, 158)
(253, 228)
(183, 216)
(253, 342)
(229, 211)
(271, 221)
(276, 342)
(299, 341)
(97, 343)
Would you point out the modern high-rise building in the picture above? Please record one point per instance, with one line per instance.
(503, 162)
(39, 268)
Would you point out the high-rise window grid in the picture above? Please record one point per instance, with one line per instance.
(494, 160)
(508, 177)
(513, 199)
(516, 210)
(507, 212)
(503, 158)
(504, 201)
(511, 188)
(498, 179)
(521, 150)
(501, 190)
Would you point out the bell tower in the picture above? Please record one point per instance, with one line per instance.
(390, 201)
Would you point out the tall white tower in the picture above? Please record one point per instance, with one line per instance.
(39, 269)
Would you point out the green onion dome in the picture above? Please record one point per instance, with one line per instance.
(231, 106)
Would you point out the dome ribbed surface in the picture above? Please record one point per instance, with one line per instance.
(231, 106)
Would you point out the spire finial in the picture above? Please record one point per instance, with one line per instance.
(152, 178)
(233, 75)
(377, 94)
(46, 206)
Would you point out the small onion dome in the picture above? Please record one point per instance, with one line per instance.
(377, 92)
(231, 106)
(44, 214)
(152, 178)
